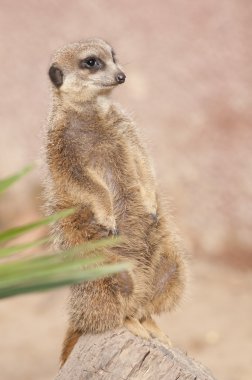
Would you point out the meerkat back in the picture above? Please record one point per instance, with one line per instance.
(98, 165)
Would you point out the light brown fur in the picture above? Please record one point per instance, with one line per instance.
(97, 164)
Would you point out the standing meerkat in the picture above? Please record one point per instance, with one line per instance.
(97, 164)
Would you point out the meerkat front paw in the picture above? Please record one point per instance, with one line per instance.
(107, 222)
(153, 217)
(151, 210)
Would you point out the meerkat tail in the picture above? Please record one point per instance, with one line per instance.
(70, 340)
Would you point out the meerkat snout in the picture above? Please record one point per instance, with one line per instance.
(120, 77)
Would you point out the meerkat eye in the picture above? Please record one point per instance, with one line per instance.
(90, 63)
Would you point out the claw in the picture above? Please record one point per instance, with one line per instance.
(113, 232)
(154, 217)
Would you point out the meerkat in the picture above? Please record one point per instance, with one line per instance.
(98, 165)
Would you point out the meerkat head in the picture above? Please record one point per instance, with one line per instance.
(84, 70)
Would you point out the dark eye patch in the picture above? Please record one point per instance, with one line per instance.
(113, 56)
(92, 63)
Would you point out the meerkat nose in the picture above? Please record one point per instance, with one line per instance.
(120, 77)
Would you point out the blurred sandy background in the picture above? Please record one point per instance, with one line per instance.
(189, 78)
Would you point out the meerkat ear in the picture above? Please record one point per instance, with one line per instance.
(56, 75)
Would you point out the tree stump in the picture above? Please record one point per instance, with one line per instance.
(119, 355)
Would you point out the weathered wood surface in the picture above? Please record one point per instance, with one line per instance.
(119, 355)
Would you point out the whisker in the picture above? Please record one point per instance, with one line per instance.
(126, 63)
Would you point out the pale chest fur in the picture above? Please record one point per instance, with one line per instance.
(123, 165)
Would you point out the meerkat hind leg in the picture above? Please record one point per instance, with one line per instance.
(150, 325)
(136, 328)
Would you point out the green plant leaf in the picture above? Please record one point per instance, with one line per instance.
(7, 182)
(16, 231)
(8, 251)
(84, 248)
(69, 258)
(51, 272)
(34, 267)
